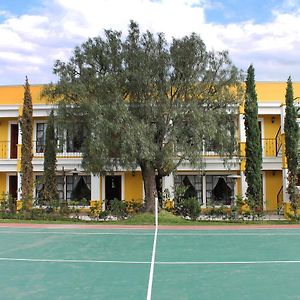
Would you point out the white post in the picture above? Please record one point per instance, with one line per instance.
(19, 190)
(204, 190)
(168, 183)
(95, 187)
(285, 185)
(243, 184)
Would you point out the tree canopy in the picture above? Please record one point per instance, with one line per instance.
(147, 102)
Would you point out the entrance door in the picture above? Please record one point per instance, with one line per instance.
(112, 188)
(13, 186)
(14, 132)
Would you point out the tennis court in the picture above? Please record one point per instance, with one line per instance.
(113, 263)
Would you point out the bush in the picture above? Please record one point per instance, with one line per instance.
(133, 206)
(117, 208)
(168, 205)
(188, 207)
(7, 204)
(95, 210)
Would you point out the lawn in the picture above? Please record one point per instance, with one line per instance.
(165, 218)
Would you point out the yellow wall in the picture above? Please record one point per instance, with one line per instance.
(273, 184)
(133, 186)
(271, 129)
(11, 95)
(274, 91)
(266, 92)
(4, 137)
(2, 184)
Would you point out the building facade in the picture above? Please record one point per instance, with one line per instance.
(214, 184)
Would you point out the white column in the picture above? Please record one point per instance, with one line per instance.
(285, 185)
(243, 184)
(168, 183)
(204, 190)
(19, 190)
(95, 187)
(282, 116)
(242, 129)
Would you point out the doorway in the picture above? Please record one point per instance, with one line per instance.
(13, 190)
(14, 133)
(112, 188)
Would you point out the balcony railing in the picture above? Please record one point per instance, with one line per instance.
(269, 147)
(61, 151)
(7, 151)
(4, 153)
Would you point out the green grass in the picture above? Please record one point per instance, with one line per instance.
(165, 218)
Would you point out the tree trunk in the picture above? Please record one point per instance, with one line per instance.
(148, 173)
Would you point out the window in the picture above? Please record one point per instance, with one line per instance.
(219, 190)
(40, 137)
(70, 188)
(78, 188)
(193, 184)
(75, 139)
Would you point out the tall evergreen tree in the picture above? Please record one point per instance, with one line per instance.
(49, 193)
(148, 103)
(291, 130)
(26, 148)
(253, 145)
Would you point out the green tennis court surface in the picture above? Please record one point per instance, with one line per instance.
(38, 263)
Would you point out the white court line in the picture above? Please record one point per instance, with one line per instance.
(228, 234)
(75, 233)
(149, 291)
(146, 262)
(228, 262)
(72, 260)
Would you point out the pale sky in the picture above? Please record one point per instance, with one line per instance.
(34, 33)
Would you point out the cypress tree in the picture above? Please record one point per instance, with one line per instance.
(253, 146)
(291, 144)
(26, 149)
(49, 192)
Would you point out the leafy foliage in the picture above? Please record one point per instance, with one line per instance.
(291, 129)
(26, 149)
(188, 207)
(144, 101)
(253, 146)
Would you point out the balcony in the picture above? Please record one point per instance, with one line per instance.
(62, 151)
(270, 148)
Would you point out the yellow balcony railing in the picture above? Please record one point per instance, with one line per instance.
(4, 153)
(269, 147)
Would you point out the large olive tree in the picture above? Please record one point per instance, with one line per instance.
(146, 102)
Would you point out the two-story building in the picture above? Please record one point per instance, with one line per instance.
(215, 183)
